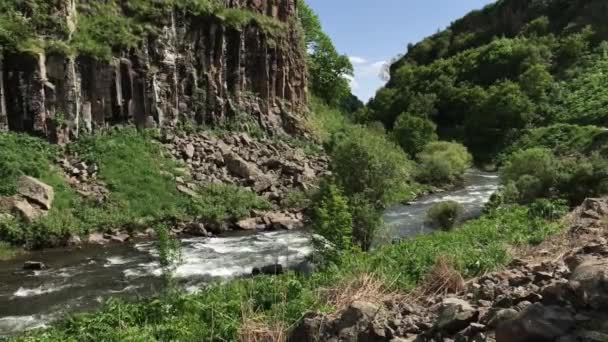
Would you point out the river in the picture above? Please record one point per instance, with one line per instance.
(80, 279)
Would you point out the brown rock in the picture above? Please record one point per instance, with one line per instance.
(248, 224)
(97, 239)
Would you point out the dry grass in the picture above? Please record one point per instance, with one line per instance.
(442, 279)
(364, 287)
(256, 331)
(259, 329)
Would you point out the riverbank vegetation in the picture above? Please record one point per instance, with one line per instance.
(218, 312)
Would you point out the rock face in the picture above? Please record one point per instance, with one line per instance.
(192, 69)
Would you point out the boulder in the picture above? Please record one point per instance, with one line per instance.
(241, 168)
(537, 323)
(455, 315)
(196, 229)
(187, 191)
(36, 191)
(188, 151)
(118, 237)
(590, 280)
(282, 221)
(74, 240)
(248, 224)
(21, 207)
(34, 266)
(274, 269)
(97, 239)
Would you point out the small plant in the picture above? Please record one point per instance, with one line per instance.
(445, 214)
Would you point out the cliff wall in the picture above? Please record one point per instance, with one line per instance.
(185, 67)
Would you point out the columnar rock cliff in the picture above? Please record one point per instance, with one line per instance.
(193, 69)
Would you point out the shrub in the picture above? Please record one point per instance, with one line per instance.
(331, 217)
(412, 133)
(367, 220)
(443, 163)
(548, 209)
(532, 172)
(366, 163)
(445, 214)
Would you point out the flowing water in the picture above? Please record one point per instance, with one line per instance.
(406, 220)
(81, 279)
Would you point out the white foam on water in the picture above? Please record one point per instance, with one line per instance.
(25, 292)
(116, 261)
(15, 324)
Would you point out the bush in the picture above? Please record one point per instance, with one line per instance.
(366, 163)
(412, 133)
(367, 220)
(531, 172)
(443, 163)
(445, 214)
(332, 218)
(548, 209)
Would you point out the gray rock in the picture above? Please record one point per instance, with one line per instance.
(455, 315)
(274, 269)
(196, 229)
(591, 282)
(36, 191)
(188, 151)
(34, 266)
(537, 323)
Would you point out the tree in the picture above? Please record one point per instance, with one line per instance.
(412, 133)
(365, 163)
(327, 68)
(504, 111)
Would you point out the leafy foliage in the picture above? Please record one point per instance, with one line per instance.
(443, 163)
(445, 214)
(332, 218)
(413, 133)
(497, 72)
(368, 164)
(327, 68)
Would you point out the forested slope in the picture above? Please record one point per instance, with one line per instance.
(496, 72)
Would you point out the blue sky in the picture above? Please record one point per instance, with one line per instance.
(372, 32)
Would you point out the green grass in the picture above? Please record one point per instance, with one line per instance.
(138, 175)
(220, 202)
(215, 313)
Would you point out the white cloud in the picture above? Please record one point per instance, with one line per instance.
(368, 76)
(355, 60)
(354, 85)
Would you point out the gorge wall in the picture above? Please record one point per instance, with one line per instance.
(189, 68)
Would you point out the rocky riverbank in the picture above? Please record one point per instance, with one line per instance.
(278, 171)
(557, 291)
